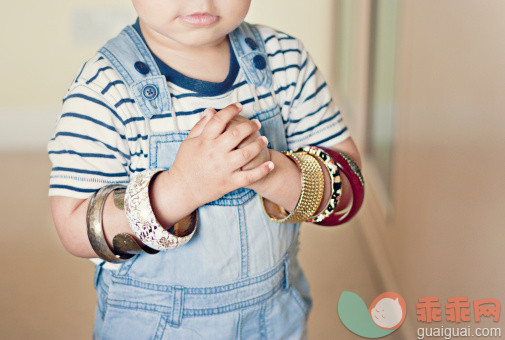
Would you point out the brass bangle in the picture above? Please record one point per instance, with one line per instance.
(335, 181)
(95, 227)
(124, 244)
(312, 192)
(312, 188)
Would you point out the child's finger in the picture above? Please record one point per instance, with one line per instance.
(248, 140)
(236, 135)
(244, 155)
(219, 121)
(247, 177)
(198, 128)
(236, 120)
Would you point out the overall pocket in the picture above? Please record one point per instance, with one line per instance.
(130, 323)
(286, 318)
(163, 148)
(272, 127)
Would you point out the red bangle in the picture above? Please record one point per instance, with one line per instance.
(351, 170)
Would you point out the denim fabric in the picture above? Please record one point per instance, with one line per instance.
(238, 277)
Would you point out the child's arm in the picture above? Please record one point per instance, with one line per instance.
(205, 169)
(69, 215)
(310, 117)
(283, 185)
(273, 186)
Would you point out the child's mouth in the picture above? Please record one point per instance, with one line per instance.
(199, 19)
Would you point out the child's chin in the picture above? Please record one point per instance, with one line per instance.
(200, 38)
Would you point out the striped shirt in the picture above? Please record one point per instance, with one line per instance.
(101, 137)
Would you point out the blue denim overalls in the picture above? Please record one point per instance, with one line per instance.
(238, 277)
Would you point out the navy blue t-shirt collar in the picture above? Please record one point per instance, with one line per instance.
(202, 87)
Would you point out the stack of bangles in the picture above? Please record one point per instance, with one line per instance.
(134, 199)
(312, 180)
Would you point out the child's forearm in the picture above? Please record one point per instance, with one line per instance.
(69, 214)
(283, 185)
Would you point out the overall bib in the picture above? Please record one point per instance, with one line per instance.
(238, 277)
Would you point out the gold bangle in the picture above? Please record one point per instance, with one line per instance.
(312, 190)
(124, 244)
(335, 181)
(94, 218)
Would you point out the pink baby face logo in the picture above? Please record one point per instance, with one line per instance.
(388, 310)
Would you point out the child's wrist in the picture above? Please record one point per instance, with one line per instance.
(273, 186)
(169, 200)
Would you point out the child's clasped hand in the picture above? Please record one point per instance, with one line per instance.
(223, 152)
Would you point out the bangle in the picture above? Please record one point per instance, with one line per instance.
(124, 245)
(94, 224)
(143, 222)
(335, 180)
(312, 179)
(353, 173)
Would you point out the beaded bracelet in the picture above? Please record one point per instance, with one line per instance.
(335, 181)
(312, 180)
(143, 221)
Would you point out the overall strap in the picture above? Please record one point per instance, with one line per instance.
(135, 64)
(249, 48)
(133, 61)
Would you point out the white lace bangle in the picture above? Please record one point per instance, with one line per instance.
(142, 220)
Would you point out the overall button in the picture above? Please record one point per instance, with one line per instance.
(259, 62)
(150, 92)
(252, 44)
(141, 67)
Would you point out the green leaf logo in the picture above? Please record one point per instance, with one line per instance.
(385, 315)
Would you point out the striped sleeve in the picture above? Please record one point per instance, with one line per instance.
(88, 149)
(311, 116)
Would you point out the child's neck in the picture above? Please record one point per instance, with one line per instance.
(191, 61)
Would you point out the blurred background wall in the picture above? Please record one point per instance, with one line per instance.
(424, 87)
(421, 86)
